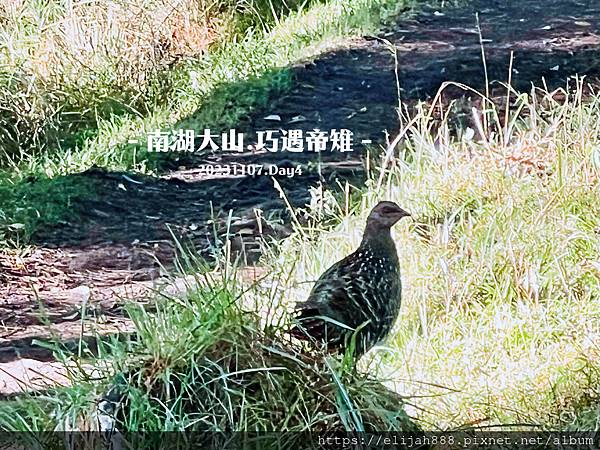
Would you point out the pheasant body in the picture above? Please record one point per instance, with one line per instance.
(359, 295)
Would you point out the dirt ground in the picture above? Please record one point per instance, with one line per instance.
(118, 247)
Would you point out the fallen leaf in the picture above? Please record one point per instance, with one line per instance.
(273, 117)
(469, 134)
(596, 157)
(131, 180)
(297, 119)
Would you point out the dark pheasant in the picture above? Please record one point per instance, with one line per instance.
(359, 295)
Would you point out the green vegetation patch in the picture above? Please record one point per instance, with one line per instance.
(78, 94)
(203, 361)
(35, 202)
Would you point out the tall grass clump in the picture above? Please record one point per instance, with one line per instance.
(83, 83)
(79, 74)
(64, 66)
(211, 358)
(499, 322)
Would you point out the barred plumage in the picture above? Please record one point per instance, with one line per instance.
(359, 295)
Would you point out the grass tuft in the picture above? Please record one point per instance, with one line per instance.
(210, 361)
(501, 300)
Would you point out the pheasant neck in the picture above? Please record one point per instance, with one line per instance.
(378, 238)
